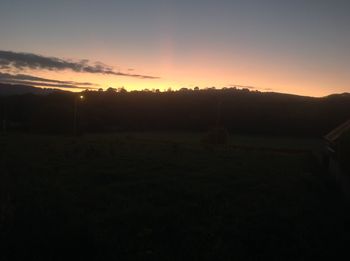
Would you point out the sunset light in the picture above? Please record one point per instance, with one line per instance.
(278, 47)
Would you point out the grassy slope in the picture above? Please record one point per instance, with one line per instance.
(154, 197)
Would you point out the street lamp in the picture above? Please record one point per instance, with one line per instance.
(75, 122)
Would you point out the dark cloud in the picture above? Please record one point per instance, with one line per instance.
(25, 77)
(21, 61)
(43, 82)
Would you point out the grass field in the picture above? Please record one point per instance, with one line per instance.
(166, 196)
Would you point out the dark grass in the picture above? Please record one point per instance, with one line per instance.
(136, 197)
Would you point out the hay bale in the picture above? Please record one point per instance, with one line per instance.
(216, 136)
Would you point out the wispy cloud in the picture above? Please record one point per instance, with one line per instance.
(250, 87)
(43, 82)
(243, 86)
(21, 61)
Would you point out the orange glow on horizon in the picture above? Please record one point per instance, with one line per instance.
(199, 71)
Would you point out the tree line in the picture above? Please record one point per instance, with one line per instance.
(239, 111)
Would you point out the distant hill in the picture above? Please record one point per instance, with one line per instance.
(239, 111)
(15, 89)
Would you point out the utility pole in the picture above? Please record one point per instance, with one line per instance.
(75, 116)
(4, 116)
(218, 116)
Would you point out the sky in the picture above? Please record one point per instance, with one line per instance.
(300, 46)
